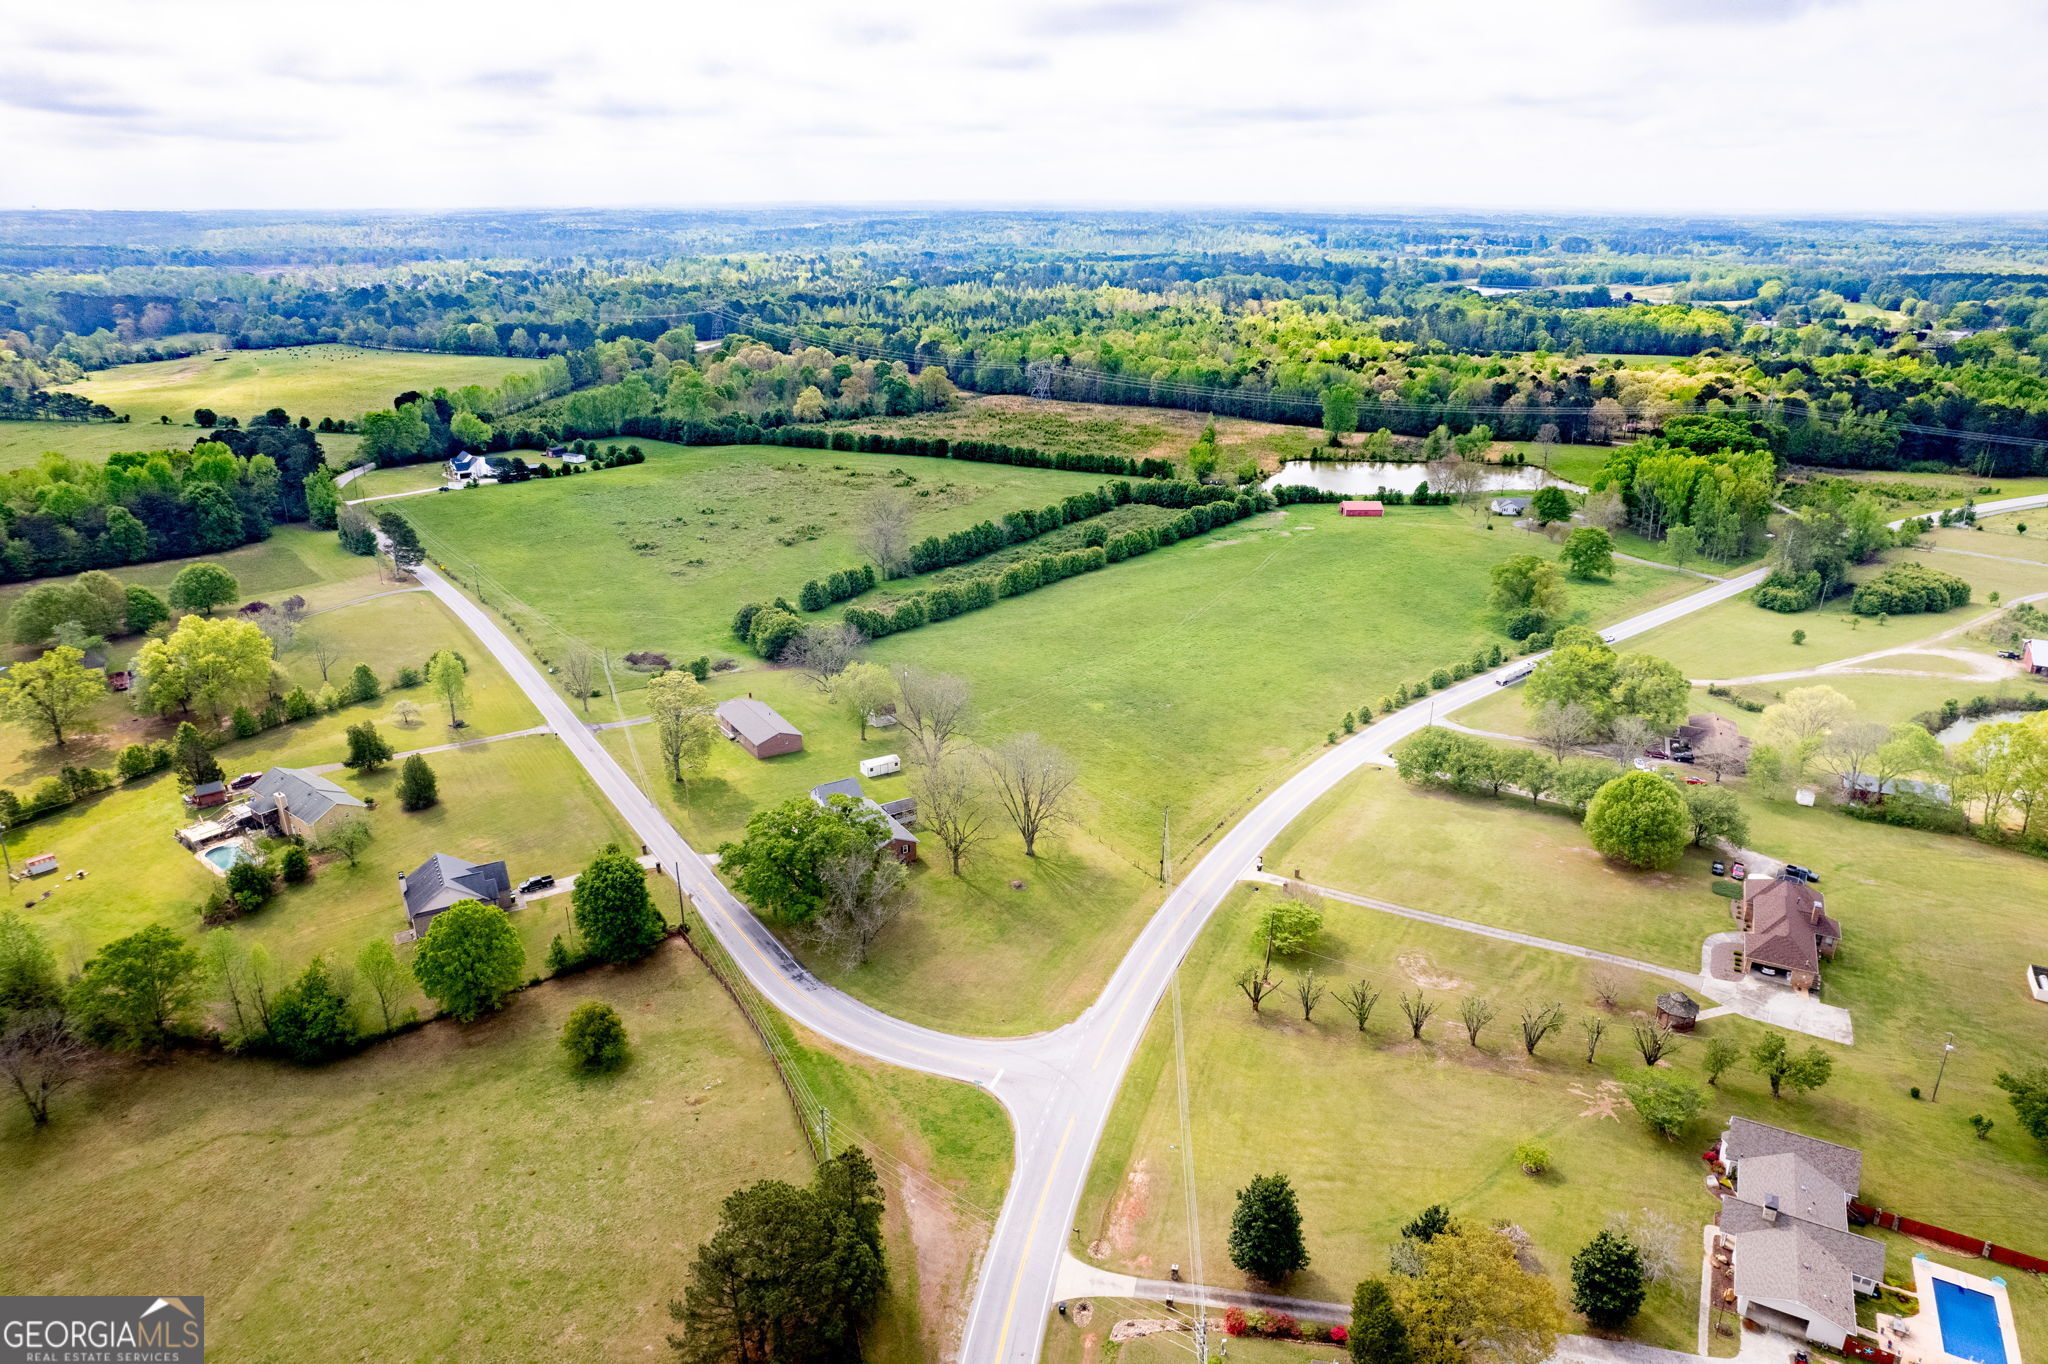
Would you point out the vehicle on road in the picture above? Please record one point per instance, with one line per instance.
(534, 883)
(1513, 677)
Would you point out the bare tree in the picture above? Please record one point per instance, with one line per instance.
(1655, 1042)
(405, 714)
(864, 889)
(884, 533)
(1475, 1012)
(1256, 986)
(1629, 737)
(579, 672)
(1562, 727)
(1607, 987)
(1595, 1028)
(1418, 1010)
(325, 651)
(1604, 509)
(952, 808)
(1721, 754)
(822, 652)
(293, 608)
(1033, 781)
(932, 709)
(276, 627)
(1310, 992)
(1538, 1022)
(1458, 476)
(1849, 749)
(40, 1055)
(1358, 1001)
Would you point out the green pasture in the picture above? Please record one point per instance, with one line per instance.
(494, 1176)
(1100, 428)
(342, 382)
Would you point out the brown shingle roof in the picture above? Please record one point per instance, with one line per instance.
(1784, 920)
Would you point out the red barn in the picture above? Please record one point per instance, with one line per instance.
(1361, 509)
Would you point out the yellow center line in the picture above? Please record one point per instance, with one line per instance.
(1037, 1216)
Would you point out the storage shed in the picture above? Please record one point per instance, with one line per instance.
(1677, 1011)
(1357, 508)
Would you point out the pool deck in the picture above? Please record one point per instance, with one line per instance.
(1917, 1339)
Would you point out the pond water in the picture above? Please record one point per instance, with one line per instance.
(1965, 727)
(1364, 477)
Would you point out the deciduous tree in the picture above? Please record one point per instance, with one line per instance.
(470, 959)
(594, 1037)
(140, 991)
(53, 696)
(614, 912)
(1033, 783)
(202, 587)
(684, 722)
(1474, 1301)
(1639, 821)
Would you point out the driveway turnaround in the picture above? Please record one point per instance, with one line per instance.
(1058, 1086)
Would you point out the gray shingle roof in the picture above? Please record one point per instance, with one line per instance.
(850, 788)
(1744, 1138)
(755, 721)
(1806, 1254)
(308, 795)
(441, 881)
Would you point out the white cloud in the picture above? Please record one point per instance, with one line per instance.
(1747, 106)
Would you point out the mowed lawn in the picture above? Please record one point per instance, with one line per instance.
(1935, 934)
(342, 382)
(1022, 943)
(658, 556)
(459, 1190)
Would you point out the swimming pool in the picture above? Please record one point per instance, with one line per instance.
(1969, 1323)
(225, 855)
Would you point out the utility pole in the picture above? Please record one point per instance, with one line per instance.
(1165, 841)
(1946, 1048)
(5, 853)
(825, 1132)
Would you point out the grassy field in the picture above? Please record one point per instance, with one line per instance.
(22, 444)
(492, 1177)
(307, 381)
(664, 552)
(1929, 926)
(1101, 428)
(1058, 935)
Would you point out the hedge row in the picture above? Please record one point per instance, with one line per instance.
(938, 447)
(1288, 493)
(941, 603)
(820, 593)
(1788, 592)
(1904, 589)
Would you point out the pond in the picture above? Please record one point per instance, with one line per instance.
(1970, 724)
(1364, 477)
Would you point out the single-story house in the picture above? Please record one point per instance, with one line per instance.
(1358, 508)
(442, 881)
(1677, 1011)
(557, 451)
(2034, 656)
(902, 843)
(1785, 931)
(476, 466)
(208, 793)
(755, 726)
(293, 802)
(1509, 506)
(1700, 731)
(1798, 1267)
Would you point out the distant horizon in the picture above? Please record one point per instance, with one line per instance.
(1777, 108)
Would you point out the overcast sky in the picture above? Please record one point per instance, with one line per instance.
(1715, 105)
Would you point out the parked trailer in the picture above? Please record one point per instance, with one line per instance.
(883, 766)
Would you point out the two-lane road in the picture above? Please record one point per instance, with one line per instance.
(1058, 1086)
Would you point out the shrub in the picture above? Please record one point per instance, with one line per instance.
(1533, 1156)
(298, 705)
(139, 760)
(312, 1020)
(1787, 592)
(251, 883)
(1440, 679)
(1904, 589)
(244, 723)
(294, 865)
(418, 788)
(594, 1037)
(1523, 624)
(406, 677)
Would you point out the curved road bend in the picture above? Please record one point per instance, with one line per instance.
(1058, 1086)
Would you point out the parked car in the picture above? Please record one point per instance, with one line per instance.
(1695, 781)
(1720, 869)
(534, 883)
(1738, 872)
(244, 782)
(2008, 653)
(1802, 873)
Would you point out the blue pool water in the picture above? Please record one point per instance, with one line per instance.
(225, 855)
(1969, 1323)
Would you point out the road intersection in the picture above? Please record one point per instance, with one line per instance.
(1057, 1086)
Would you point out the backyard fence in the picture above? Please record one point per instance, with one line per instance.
(1968, 1245)
(1856, 1347)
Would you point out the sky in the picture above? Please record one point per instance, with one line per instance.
(1724, 106)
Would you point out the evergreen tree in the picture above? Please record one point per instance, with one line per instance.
(1377, 1335)
(191, 756)
(1608, 1282)
(418, 788)
(1265, 1231)
(367, 749)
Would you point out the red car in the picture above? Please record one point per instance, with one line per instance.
(1738, 872)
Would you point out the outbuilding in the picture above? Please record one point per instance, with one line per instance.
(1359, 508)
(1677, 1011)
(2034, 657)
(755, 726)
